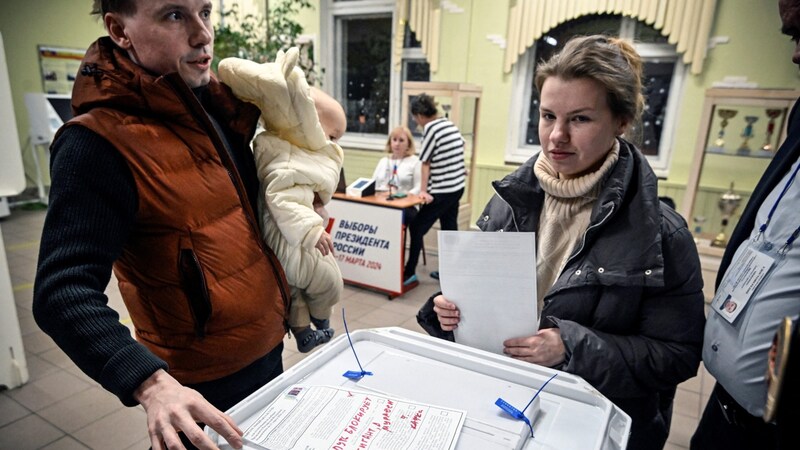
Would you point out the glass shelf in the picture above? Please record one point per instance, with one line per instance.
(752, 154)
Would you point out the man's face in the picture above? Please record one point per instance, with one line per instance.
(165, 36)
(790, 18)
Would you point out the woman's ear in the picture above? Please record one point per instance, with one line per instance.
(623, 126)
(115, 25)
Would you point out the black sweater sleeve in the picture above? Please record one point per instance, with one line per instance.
(93, 202)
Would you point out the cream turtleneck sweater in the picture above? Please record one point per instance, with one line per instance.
(567, 209)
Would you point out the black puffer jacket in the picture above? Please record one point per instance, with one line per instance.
(629, 302)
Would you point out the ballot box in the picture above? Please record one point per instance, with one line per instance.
(570, 414)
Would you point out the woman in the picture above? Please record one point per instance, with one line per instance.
(618, 276)
(401, 164)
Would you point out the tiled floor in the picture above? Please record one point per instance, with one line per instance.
(60, 408)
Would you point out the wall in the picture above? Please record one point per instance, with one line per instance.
(25, 24)
(756, 50)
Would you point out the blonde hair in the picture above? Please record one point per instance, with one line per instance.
(410, 151)
(609, 61)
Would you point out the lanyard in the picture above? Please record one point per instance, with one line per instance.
(764, 226)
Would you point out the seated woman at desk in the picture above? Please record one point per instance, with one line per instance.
(618, 275)
(401, 167)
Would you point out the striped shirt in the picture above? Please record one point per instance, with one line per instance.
(443, 148)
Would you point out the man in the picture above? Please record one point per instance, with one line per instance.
(443, 178)
(736, 346)
(154, 175)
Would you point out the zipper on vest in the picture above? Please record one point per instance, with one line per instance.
(196, 289)
(200, 114)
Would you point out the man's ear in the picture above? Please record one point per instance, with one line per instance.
(115, 26)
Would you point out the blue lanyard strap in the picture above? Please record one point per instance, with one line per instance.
(789, 242)
(772, 210)
(789, 182)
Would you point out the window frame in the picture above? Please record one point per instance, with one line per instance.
(517, 152)
(332, 12)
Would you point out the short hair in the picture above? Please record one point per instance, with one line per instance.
(611, 62)
(410, 151)
(124, 7)
(424, 105)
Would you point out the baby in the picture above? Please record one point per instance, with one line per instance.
(298, 164)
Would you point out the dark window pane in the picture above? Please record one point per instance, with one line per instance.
(648, 35)
(410, 38)
(657, 80)
(367, 46)
(550, 43)
(657, 77)
(416, 70)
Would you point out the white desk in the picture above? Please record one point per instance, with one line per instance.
(369, 240)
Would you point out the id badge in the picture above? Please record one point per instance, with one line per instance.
(743, 277)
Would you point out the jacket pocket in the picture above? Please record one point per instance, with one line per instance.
(196, 290)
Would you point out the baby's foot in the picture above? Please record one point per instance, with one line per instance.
(308, 338)
(321, 324)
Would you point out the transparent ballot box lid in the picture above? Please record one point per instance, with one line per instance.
(415, 369)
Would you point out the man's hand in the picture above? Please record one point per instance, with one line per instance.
(171, 408)
(544, 348)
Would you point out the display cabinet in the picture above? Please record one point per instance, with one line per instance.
(740, 131)
(459, 102)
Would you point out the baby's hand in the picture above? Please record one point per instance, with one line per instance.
(325, 244)
(319, 208)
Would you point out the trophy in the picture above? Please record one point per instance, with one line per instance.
(727, 204)
(772, 114)
(698, 227)
(719, 143)
(747, 134)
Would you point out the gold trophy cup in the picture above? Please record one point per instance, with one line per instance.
(719, 143)
(727, 204)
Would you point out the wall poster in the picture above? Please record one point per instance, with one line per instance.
(59, 67)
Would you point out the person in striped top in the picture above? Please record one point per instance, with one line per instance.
(443, 177)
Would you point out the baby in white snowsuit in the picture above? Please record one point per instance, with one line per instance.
(298, 163)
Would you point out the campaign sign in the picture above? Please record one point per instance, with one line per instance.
(367, 240)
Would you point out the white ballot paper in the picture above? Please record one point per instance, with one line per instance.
(328, 417)
(491, 277)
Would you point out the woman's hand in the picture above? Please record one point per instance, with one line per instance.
(426, 198)
(447, 312)
(544, 348)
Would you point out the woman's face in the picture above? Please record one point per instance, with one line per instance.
(576, 127)
(398, 144)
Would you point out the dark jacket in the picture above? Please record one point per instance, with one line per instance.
(629, 301)
(191, 255)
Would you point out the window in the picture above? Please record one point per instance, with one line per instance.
(358, 59)
(366, 44)
(662, 78)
